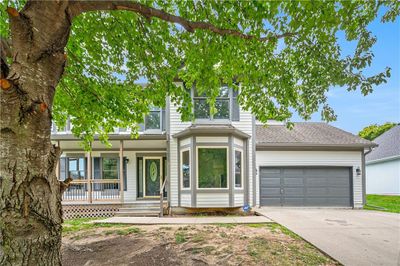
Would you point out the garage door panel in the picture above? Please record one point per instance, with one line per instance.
(271, 192)
(271, 182)
(326, 201)
(288, 192)
(292, 172)
(317, 191)
(293, 181)
(338, 191)
(271, 201)
(270, 171)
(307, 186)
(293, 201)
(339, 181)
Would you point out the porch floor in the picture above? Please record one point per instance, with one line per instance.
(187, 220)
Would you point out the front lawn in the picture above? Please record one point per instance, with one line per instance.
(383, 203)
(220, 244)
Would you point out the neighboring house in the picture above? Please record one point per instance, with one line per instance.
(383, 164)
(224, 160)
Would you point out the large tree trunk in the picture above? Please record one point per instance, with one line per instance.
(30, 197)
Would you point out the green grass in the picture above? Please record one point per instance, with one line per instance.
(198, 238)
(180, 237)
(80, 224)
(128, 231)
(226, 225)
(268, 252)
(279, 228)
(257, 225)
(383, 203)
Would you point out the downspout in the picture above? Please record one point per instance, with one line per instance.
(364, 179)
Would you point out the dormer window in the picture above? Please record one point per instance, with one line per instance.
(226, 105)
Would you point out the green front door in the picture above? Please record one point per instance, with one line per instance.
(152, 177)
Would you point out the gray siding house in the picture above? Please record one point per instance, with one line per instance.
(227, 160)
(383, 164)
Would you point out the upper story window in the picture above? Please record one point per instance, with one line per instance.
(153, 120)
(226, 105)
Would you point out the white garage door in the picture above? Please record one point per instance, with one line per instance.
(305, 186)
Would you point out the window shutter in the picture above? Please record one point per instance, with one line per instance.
(96, 168)
(139, 176)
(96, 172)
(125, 173)
(63, 168)
(163, 120)
(235, 110)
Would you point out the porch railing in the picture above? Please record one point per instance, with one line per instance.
(94, 190)
(162, 186)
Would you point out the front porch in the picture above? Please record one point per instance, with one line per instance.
(127, 172)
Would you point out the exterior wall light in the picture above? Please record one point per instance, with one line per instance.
(358, 171)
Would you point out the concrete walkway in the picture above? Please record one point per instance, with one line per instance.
(353, 237)
(187, 220)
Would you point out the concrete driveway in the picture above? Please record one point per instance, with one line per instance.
(353, 237)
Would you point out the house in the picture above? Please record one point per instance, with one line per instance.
(383, 164)
(224, 160)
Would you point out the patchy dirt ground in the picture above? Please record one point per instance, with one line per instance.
(225, 244)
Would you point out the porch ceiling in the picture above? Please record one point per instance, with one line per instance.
(71, 145)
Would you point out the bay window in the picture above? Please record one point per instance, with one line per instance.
(238, 169)
(212, 167)
(185, 168)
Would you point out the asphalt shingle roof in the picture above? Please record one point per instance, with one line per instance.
(389, 145)
(307, 134)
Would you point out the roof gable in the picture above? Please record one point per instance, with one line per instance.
(389, 145)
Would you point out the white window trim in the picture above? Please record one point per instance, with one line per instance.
(190, 169)
(227, 166)
(241, 168)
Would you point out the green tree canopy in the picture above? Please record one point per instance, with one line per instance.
(285, 58)
(284, 55)
(373, 131)
(83, 58)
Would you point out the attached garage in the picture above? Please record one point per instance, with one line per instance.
(305, 186)
(311, 165)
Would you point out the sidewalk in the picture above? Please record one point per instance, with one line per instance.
(187, 220)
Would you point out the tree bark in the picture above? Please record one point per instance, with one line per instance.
(30, 196)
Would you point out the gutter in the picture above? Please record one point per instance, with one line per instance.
(391, 158)
(71, 137)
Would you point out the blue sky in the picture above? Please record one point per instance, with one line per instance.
(356, 111)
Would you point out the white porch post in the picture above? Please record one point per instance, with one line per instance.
(121, 170)
(89, 175)
(58, 163)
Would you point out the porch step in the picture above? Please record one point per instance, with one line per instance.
(140, 209)
(138, 213)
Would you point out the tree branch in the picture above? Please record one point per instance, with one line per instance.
(5, 51)
(80, 7)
